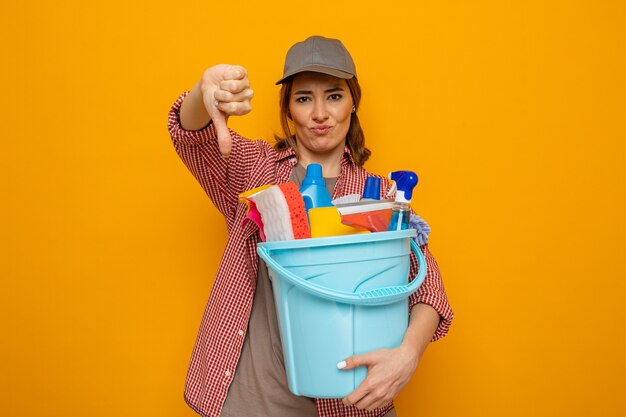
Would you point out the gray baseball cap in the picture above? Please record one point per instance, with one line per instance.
(319, 54)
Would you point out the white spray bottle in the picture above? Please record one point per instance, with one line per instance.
(403, 184)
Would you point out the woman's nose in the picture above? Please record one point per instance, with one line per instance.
(320, 113)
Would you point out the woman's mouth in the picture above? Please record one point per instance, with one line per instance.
(321, 129)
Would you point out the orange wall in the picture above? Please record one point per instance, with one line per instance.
(513, 114)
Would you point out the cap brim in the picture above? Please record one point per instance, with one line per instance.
(316, 68)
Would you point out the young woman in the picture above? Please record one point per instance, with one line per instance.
(237, 365)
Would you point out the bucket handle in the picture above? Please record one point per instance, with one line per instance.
(379, 296)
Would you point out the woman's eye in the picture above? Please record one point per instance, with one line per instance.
(335, 97)
(302, 99)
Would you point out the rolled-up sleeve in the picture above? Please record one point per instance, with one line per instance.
(223, 179)
(432, 292)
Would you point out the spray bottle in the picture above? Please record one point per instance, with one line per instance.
(403, 182)
(313, 188)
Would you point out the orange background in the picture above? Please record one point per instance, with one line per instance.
(512, 113)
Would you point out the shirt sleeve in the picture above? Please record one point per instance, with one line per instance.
(223, 179)
(432, 292)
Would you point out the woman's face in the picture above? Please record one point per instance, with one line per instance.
(320, 106)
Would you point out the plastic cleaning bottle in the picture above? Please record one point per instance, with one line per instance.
(371, 191)
(313, 188)
(404, 182)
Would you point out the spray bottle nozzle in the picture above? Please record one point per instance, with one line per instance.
(403, 182)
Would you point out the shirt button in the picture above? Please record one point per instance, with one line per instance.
(227, 373)
(240, 332)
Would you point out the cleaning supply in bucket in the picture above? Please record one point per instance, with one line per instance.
(363, 213)
(373, 215)
(371, 191)
(350, 198)
(422, 229)
(403, 184)
(313, 188)
(282, 212)
(253, 213)
(326, 221)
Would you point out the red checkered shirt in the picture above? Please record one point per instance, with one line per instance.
(225, 321)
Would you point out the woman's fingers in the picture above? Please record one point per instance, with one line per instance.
(388, 371)
(234, 104)
(235, 108)
(235, 72)
(368, 396)
(225, 92)
(373, 400)
(234, 93)
(227, 96)
(234, 86)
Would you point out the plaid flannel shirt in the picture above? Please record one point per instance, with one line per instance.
(225, 320)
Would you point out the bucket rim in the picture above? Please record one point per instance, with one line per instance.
(378, 296)
(338, 240)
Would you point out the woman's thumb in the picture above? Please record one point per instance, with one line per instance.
(219, 119)
(353, 362)
(224, 140)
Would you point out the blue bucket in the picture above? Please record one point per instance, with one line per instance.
(336, 297)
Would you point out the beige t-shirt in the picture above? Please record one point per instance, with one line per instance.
(259, 387)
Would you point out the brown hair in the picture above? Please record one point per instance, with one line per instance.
(355, 139)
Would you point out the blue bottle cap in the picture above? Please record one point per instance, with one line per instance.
(372, 188)
(404, 181)
(313, 175)
(314, 171)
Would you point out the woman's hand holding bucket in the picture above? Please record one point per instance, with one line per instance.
(389, 370)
